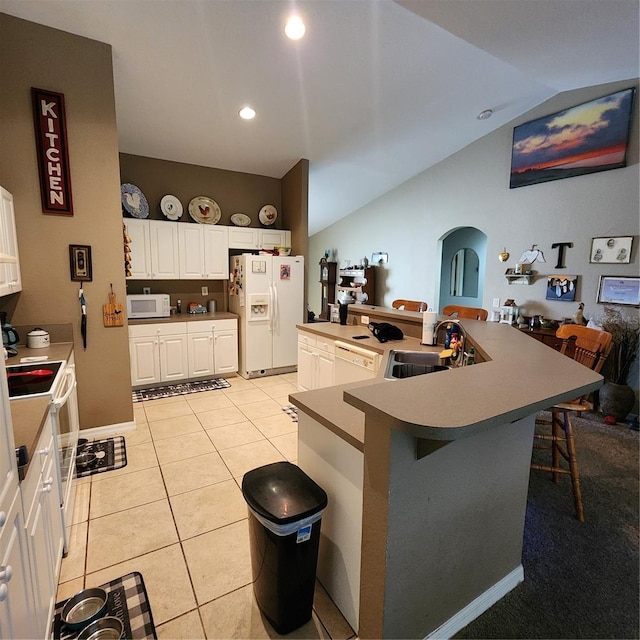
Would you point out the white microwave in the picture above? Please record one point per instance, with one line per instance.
(151, 305)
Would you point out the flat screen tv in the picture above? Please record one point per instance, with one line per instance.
(590, 137)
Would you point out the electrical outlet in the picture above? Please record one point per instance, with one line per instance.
(364, 319)
(146, 290)
(204, 291)
(496, 303)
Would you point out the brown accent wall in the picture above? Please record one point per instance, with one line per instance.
(32, 55)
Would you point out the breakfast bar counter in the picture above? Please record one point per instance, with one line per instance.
(427, 478)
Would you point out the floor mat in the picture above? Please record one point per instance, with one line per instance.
(126, 599)
(292, 410)
(112, 454)
(182, 389)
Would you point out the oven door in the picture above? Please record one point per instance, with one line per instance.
(64, 410)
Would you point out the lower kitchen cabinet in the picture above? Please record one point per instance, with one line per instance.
(316, 362)
(179, 350)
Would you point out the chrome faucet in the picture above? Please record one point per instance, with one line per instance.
(440, 323)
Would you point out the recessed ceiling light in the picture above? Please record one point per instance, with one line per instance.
(294, 28)
(247, 113)
(483, 115)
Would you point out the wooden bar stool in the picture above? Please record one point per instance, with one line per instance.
(410, 305)
(591, 349)
(472, 313)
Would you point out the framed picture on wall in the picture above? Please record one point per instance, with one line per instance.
(80, 262)
(611, 250)
(619, 290)
(561, 287)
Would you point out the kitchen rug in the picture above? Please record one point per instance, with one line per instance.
(292, 410)
(112, 454)
(126, 599)
(182, 389)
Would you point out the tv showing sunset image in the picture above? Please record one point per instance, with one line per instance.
(590, 137)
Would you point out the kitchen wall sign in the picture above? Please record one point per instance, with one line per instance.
(53, 151)
(80, 262)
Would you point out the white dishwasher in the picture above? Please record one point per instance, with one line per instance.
(354, 363)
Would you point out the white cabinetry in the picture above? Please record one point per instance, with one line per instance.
(158, 352)
(212, 347)
(203, 251)
(154, 249)
(138, 231)
(252, 238)
(43, 524)
(10, 279)
(316, 361)
(270, 238)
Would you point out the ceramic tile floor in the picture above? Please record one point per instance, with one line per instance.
(176, 514)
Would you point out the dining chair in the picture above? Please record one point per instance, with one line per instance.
(591, 349)
(410, 305)
(472, 313)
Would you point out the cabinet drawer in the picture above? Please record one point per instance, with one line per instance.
(206, 326)
(160, 329)
(306, 338)
(325, 345)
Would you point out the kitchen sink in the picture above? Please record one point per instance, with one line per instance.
(406, 364)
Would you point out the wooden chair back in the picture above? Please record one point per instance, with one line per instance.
(410, 305)
(472, 313)
(591, 345)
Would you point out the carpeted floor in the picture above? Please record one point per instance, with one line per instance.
(581, 579)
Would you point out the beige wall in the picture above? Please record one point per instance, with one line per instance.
(35, 56)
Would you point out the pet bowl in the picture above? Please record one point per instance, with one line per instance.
(107, 628)
(85, 607)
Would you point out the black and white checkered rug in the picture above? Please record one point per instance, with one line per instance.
(112, 454)
(182, 389)
(292, 411)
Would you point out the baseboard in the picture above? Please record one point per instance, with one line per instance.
(108, 430)
(479, 605)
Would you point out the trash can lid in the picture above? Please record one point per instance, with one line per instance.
(282, 492)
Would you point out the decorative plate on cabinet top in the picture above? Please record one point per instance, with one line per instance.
(204, 210)
(133, 201)
(268, 215)
(171, 207)
(240, 220)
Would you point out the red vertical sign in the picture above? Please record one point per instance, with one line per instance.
(53, 152)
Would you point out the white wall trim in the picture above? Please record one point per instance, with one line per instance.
(479, 605)
(108, 430)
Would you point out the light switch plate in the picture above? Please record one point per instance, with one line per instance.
(364, 319)
(496, 303)
(204, 291)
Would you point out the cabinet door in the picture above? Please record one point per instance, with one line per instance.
(16, 593)
(145, 360)
(200, 354)
(325, 370)
(138, 231)
(164, 250)
(243, 238)
(269, 238)
(225, 351)
(216, 252)
(191, 250)
(10, 279)
(306, 367)
(174, 364)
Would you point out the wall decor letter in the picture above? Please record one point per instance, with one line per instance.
(561, 247)
(53, 151)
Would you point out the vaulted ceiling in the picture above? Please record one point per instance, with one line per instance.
(376, 92)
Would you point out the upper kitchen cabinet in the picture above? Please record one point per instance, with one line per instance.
(154, 249)
(203, 252)
(253, 239)
(10, 279)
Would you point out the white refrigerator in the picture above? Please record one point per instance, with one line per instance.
(267, 293)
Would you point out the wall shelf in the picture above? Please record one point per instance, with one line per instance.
(519, 278)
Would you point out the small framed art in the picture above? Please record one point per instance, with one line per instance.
(611, 250)
(561, 287)
(619, 290)
(80, 262)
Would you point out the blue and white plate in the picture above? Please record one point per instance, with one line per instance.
(133, 201)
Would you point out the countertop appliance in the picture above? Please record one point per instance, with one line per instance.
(32, 380)
(267, 293)
(148, 305)
(353, 364)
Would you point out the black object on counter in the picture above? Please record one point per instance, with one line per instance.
(285, 511)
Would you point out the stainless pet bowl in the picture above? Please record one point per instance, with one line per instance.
(85, 459)
(108, 628)
(85, 607)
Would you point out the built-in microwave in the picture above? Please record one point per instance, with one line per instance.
(150, 305)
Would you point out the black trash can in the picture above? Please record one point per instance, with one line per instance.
(285, 511)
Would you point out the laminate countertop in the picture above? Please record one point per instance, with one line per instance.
(519, 377)
(184, 317)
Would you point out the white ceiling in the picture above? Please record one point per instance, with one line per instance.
(375, 93)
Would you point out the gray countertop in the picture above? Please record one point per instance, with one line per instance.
(184, 317)
(521, 376)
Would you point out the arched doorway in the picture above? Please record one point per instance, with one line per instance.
(462, 267)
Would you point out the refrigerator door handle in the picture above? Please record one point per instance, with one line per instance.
(270, 306)
(275, 312)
